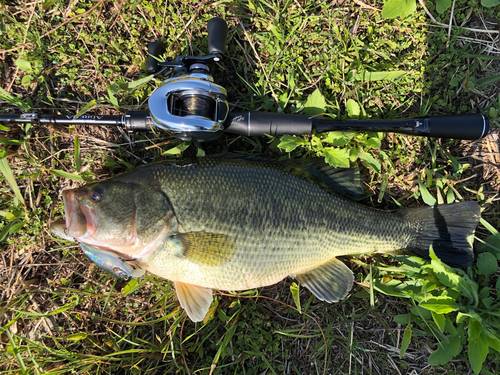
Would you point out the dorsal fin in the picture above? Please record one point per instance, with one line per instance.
(345, 182)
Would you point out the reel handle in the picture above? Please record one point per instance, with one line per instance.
(155, 49)
(217, 36)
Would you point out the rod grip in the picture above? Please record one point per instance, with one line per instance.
(217, 36)
(469, 126)
(156, 49)
(257, 124)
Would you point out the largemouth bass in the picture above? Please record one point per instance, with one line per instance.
(242, 223)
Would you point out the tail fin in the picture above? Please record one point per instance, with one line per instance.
(449, 228)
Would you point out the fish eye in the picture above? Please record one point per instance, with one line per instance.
(96, 194)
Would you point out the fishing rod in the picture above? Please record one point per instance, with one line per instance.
(190, 106)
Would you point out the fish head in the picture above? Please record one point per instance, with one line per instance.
(124, 217)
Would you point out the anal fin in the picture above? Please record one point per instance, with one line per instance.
(329, 282)
(196, 300)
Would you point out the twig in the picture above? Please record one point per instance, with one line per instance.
(450, 24)
(363, 5)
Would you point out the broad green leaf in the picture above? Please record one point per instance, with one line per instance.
(87, 107)
(448, 277)
(26, 80)
(200, 153)
(290, 142)
(442, 5)
(475, 329)
(77, 336)
(463, 317)
(440, 304)
(17, 227)
(402, 319)
(366, 76)
(177, 149)
(373, 142)
(337, 157)
(398, 8)
(493, 339)
(9, 176)
(449, 327)
(426, 196)
(353, 108)
(112, 98)
(478, 345)
(439, 319)
(393, 288)
(487, 263)
(6, 230)
(487, 302)
(339, 139)
(130, 287)
(354, 153)
(71, 176)
(490, 3)
(24, 65)
(294, 288)
(446, 351)
(406, 341)
(450, 196)
(315, 104)
(370, 160)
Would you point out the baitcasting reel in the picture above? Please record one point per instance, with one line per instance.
(190, 106)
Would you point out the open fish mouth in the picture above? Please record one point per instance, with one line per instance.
(80, 219)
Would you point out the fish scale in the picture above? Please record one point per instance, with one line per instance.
(241, 223)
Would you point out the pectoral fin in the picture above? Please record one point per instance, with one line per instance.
(329, 282)
(211, 249)
(194, 299)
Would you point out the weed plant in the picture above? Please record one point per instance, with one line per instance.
(59, 314)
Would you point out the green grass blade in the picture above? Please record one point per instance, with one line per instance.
(71, 176)
(86, 108)
(11, 179)
(78, 159)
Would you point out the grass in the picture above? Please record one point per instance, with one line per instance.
(59, 314)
